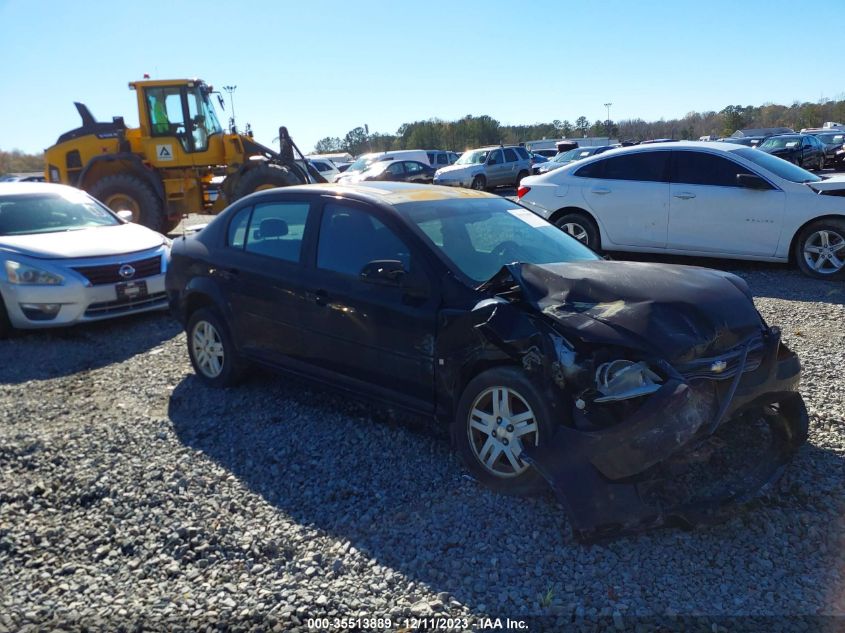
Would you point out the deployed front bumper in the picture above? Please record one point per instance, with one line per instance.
(694, 447)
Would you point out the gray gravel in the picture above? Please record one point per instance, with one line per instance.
(132, 495)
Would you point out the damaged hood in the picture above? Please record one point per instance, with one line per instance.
(679, 312)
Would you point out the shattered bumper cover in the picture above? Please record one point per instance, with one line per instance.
(694, 448)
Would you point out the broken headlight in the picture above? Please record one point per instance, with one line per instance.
(624, 379)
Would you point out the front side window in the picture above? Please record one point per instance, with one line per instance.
(236, 236)
(396, 169)
(166, 116)
(351, 238)
(495, 158)
(276, 230)
(414, 168)
(442, 159)
(781, 168)
(639, 166)
(700, 168)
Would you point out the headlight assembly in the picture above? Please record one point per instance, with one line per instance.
(624, 379)
(25, 275)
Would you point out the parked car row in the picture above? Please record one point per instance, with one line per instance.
(487, 168)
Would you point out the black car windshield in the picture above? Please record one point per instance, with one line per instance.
(22, 214)
(567, 156)
(779, 167)
(831, 138)
(480, 235)
(781, 142)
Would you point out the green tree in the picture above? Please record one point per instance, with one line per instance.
(582, 125)
(566, 128)
(355, 141)
(328, 145)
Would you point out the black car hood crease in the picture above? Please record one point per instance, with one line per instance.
(677, 312)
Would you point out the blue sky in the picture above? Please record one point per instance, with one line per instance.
(322, 68)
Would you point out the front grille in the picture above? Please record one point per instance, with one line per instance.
(703, 367)
(109, 308)
(109, 273)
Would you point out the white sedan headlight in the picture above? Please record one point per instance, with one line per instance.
(24, 274)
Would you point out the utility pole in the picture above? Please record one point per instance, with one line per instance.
(230, 90)
(607, 105)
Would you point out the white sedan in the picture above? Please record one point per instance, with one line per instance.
(65, 258)
(699, 199)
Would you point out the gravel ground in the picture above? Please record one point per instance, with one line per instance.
(131, 495)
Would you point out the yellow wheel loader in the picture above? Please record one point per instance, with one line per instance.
(173, 162)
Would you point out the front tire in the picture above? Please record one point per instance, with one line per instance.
(479, 183)
(581, 227)
(264, 176)
(499, 415)
(820, 249)
(212, 352)
(5, 324)
(127, 192)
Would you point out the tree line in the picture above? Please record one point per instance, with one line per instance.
(17, 161)
(475, 131)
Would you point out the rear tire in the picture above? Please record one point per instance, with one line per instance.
(821, 163)
(581, 227)
(820, 249)
(479, 183)
(525, 421)
(520, 176)
(212, 351)
(127, 192)
(264, 176)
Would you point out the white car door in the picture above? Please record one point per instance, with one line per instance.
(629, 196)
(711, 211)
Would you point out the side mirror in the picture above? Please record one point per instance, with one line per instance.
(125, 214)
(385, 272)
(752, 181)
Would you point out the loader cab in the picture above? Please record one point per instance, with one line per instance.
(183, 111)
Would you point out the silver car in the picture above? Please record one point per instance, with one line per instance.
(486, 168)
(66, 258)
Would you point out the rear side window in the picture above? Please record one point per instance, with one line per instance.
(276, 230)
(510, 155)
(351, 238)
(238, 227)
(592, 170)
(640, 166)
(442, 159)
(522, 152)
(700, 168)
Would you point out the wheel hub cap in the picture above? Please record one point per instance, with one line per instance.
(501, 425)
(208, 349)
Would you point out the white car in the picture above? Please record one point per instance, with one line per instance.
(327, 168)
(699, 199)
(365, 161)
(65, 258)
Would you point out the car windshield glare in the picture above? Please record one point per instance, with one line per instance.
(361, 163)
(780, 142)
(565, 157)
(473, 158)
(24, 214)
(480, 235)
(779, 167)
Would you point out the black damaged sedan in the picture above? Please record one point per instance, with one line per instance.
(644, 394)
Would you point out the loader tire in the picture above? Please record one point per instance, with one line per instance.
(127, 192)
(263, 177)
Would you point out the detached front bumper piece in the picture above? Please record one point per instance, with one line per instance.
(693, 450)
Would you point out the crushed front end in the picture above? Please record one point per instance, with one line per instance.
(672, 411)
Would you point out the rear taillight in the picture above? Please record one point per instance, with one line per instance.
(522, 191)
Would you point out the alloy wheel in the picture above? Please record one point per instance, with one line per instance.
(824, 252)
(500, 425)
(577, 231)
(208, 349)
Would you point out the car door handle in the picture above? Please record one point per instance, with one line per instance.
(321, 297)
(601, 191)
(684, 195)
